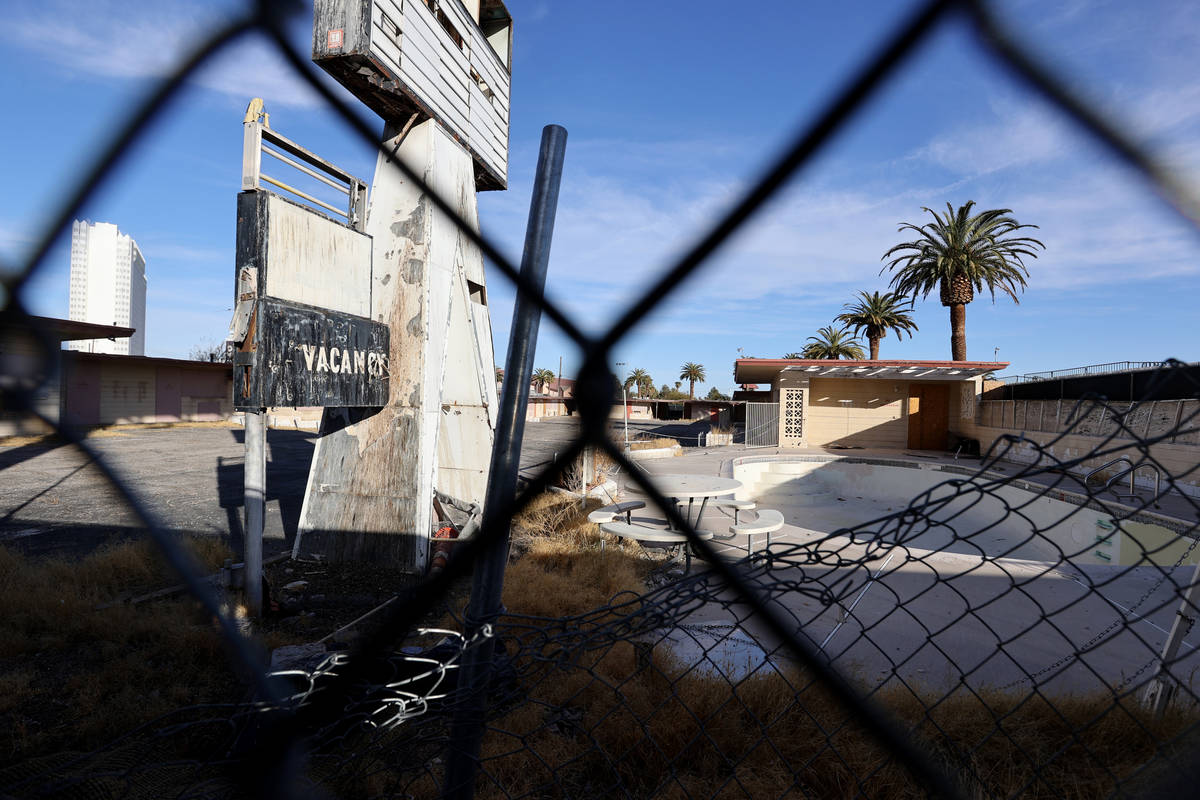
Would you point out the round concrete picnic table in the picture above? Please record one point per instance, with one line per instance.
(691, 487)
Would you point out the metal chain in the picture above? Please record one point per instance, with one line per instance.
(1092, 642)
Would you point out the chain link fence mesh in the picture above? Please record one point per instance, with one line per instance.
(960, 644)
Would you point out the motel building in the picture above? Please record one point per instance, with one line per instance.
(881, 405)
(87, 389)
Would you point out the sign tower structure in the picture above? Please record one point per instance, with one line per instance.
(437, 72)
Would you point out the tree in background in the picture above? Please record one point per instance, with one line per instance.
(875, 314)
(691, 373)
(667, 392)
(961, 254)
(831, 343)
(541, 377)
(793, 355)
(715, 394)
(637, 380)
(211, 351)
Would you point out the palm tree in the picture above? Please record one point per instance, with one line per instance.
(691, 373)
(876, 314)
(793, 355)
(960, 254)
(541, 377)
(830, 343)
(637, 379)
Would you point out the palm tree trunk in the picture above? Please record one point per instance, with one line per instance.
(874, 340)
(958, 332)
(691, 390)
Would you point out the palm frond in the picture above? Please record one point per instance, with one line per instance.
(831, 343)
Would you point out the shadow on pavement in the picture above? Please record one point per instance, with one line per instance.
(16, 455)
(289, 455)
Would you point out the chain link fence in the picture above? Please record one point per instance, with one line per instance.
(968, 642)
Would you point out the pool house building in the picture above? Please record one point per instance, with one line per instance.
(874, 404)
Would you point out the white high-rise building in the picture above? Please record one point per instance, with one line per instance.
(108, 286)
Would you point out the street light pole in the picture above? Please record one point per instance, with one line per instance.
(625, 408)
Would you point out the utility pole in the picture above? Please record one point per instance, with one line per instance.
(625, 406)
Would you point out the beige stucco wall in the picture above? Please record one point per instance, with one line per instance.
(539, 407)
(876, 416)
(126, 393)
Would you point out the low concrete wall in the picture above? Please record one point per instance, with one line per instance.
(657, 452)
(1041, 423)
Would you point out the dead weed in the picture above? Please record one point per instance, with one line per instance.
(634, 716)
(78, 667)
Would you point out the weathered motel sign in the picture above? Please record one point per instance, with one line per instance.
(437, 72)
(302, 323)
(445, 60)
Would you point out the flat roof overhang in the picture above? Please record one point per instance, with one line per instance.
(149, 361)
(67, 330)
(765, 370)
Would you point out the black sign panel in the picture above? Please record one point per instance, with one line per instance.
(302, 356)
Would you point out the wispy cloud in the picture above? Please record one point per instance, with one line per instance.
(13, 242)
(821, 240)
(102, 39)
(160, 248)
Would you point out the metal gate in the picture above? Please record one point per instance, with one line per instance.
(762, 424)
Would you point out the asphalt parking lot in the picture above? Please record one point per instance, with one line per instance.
(53, 502)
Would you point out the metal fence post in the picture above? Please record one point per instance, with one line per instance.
(255, 487)
(1161, 688)
(488, 579)
(587, 470)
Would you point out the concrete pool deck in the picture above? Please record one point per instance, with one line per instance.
(943, 619)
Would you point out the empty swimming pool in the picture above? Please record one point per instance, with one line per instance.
(958, 511)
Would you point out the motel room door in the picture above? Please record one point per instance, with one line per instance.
(928, 412)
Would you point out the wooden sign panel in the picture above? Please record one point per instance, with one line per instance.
(304, 356)
(431, 58)
(301, 322)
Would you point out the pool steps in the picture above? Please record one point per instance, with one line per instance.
(785, 487)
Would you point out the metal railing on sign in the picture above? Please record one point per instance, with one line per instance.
(260, 139)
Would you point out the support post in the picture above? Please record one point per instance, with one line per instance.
(487, 583)
(1162, 686)
(255, 487)
(587, 470)
(625, 405)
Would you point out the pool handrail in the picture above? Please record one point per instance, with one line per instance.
(1131, 471)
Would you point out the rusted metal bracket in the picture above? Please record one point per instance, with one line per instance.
(247, 293)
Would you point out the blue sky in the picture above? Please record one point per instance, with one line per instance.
(673, 109)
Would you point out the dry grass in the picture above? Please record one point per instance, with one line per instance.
(603, 468)
(663, 732)
(562, 570)
(26, 440)
(635, 715)
(111, 431)
(73, 676)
